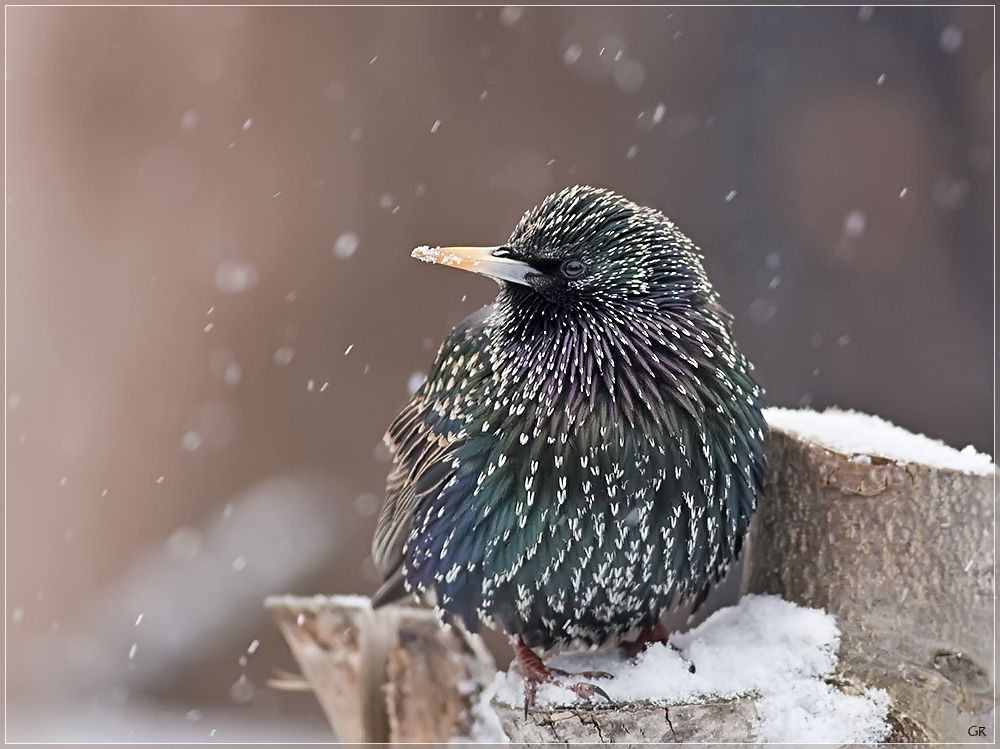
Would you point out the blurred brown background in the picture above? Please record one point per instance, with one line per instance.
(212, 314)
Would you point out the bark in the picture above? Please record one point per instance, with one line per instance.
(712, 723)
(434, 674)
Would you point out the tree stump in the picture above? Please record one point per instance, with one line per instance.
(902, 554)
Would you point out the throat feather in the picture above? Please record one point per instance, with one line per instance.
(622, 366)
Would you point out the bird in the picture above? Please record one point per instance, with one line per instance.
(586, 452)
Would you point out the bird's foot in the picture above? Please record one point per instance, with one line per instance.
(649, 635)
(535, 672)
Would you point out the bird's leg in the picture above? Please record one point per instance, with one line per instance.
(535, 672)
(648, 635)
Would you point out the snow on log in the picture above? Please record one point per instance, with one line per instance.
(762, 671)
(892, 533)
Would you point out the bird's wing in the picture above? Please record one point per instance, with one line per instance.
(424, 440)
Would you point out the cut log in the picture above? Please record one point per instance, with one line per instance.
(903, 555)
(393, 674)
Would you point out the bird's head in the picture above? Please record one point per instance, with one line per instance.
(605, 309)
(584, 247)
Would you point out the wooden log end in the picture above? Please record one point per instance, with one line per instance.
(389, 674)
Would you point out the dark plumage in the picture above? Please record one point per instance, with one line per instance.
(587, 450)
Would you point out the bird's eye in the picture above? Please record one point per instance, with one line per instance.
(573, 268)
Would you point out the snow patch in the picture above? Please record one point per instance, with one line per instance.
(856, 435)
(764, 647)
(484, 725)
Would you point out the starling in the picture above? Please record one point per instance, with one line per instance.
(586, 451)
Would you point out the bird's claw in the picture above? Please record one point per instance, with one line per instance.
(584, 690)
(535, 672)
(587, 691)
(652, 634)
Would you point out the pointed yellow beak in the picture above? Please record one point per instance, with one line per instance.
(478, 260)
